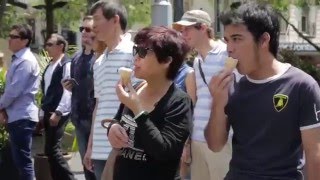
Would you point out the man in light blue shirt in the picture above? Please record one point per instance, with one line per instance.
(17, 103)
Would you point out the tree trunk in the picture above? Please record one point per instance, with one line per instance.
(49, 17)
(2, 11)
(178, 10)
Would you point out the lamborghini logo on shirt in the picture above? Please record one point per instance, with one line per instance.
(280, 101)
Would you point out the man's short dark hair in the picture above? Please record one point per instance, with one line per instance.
(167, 44)
(24, 31)
(88, 17)
(110, 9)
(60, 40)
(259, 19)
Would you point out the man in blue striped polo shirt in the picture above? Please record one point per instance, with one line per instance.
(195, 27)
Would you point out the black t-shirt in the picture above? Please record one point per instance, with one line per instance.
(156, 142)
(83, 100)
(267, 118)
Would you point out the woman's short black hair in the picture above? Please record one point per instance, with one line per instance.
(167, 44)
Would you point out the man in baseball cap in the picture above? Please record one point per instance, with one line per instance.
(193, 17)
(195, 26)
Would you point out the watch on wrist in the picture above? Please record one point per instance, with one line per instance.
(58, 113)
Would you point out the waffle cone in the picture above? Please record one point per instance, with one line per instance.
(231, 63)
(125, 74)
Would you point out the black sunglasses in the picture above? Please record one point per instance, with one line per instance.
(141, 51)
(84, 28)
(12, 36)
(49, 44)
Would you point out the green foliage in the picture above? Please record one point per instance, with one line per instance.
(301, 3)
(69, 142)
(280, 5)
(71, 50)
(4, 136)
(138, 11)
(11, 16)
(75, 145)
(70, 15)
(2, 80)
(288, 56)
(43, 60)
(69, 128)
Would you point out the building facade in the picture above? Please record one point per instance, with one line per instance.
(307, 20)
(305, 17)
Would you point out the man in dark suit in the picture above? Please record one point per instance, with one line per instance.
(56, 105)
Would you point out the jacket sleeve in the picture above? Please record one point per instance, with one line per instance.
(65, 103)
(167, 142)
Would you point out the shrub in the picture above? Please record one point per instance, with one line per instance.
(289, 56)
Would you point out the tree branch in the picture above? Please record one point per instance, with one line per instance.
(299, 33)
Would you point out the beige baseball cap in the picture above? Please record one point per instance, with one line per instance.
(1, 54)
(193, 17)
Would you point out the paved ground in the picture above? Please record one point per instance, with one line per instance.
(75, 162)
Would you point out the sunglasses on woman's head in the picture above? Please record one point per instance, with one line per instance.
(141, 51)
(86, 29)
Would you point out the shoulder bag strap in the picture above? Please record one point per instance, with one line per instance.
(201, 72)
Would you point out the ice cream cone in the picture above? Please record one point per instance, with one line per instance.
(125, 74)
(231, 63)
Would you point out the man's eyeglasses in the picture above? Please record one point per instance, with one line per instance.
(49, 44)
(141, 51)
(84, 28)
(12, 36)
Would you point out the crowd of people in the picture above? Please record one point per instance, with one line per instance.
(258, 121)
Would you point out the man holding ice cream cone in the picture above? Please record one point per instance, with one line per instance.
(273, 109)
(212, 54)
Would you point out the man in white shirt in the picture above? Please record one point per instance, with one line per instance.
(110, 21)
(56, 104)
(195, 27)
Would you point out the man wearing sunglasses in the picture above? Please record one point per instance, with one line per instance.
(195, 26)
(17, 104)
(56, 105)
(82, 99)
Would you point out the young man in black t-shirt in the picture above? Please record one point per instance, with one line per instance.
(273, 109)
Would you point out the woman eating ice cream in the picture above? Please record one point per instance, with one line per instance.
(151, 126)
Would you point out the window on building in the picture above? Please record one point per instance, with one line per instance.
(304, 24)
